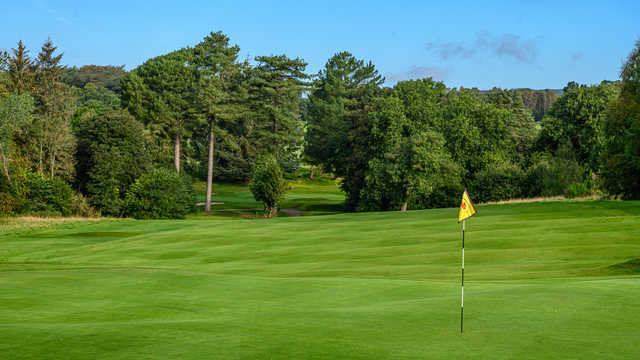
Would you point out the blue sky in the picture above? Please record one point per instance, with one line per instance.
(537, 44)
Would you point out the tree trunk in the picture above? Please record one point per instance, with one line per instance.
(210, 161)
(176, 152)
(5, 164)
(275, 136)
(271, 212)
(52, 163)
(404, 207)
(41, 159)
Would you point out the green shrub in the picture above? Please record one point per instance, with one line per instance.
(7, 203)
(112, 153)
(50, 196)
(159, 194)
(33, 193)
(551, 176)
(13, 193)
(80, 206)
(268, 184)
(577, 189)
(500, 180)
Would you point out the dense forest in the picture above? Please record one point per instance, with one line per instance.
(104, 140)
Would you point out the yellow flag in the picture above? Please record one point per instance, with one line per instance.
(467, 209)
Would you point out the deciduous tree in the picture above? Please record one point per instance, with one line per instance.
(16, 112)
(621, 157)
(112, 153)
(577, 118)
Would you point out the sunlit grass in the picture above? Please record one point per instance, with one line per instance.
(543, 280)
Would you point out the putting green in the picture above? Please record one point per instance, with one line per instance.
(544, 280)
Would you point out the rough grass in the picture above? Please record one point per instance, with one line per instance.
(10, 225)
(544, 199)
(541, 283)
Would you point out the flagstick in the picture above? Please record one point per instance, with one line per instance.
(462, 283)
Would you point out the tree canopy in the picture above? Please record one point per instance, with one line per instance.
(99, 130)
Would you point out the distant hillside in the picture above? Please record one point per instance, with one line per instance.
(539, 101)
(558, 92)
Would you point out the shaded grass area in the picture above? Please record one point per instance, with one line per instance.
(540, 283)
(308, 197)
(628, 267)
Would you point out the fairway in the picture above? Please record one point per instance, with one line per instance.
(543, 280)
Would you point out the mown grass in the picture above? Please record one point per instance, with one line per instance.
(304, 197)
(543, 280)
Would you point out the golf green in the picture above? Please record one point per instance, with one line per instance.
(543, 280)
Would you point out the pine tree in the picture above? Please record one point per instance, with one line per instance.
(55, 105)
(276, 87)
(21, 69)
(161, 93)
(218, 94)
(4, 76)
(337, 135)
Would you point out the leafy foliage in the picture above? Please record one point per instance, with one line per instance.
(159, 194)
(16, 113)
(410, 162)
(621, 157)
(552, 175)
(499, 180)
(276, 84)
(576, 119)
(160, 93)
(107, 77)
(414, 145)
(51, 141)
(268, 184)
(49, 196)
(112, 154)
(337, 123)
(92, 95)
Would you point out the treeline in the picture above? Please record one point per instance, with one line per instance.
(128, 143)
(100, 132)
(418, 144)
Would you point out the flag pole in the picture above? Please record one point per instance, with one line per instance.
(462, 282)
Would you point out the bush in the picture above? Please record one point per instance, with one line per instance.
(112, 153)
(159, 194)
(33, 193)
(500, 180)
(7, 203)
(550, 176)
(267, 184)
(577, 189)
(80, 206)
(13, 193)
(49, 196)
